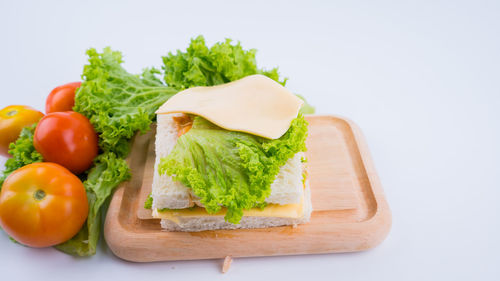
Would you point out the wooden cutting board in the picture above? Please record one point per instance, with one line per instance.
(350, 212)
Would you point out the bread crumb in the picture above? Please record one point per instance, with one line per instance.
(227, 264)
(294, 225)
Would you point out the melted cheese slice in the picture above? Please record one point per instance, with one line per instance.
(271, 210)
(255, 104)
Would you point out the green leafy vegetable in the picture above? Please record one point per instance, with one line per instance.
(228, 168)
(306, 107)
(108, 171)
(117, 103)
(23, 153)
(148, 204)
(202, 66)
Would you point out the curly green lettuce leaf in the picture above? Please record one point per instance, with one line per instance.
(23, 153)
(108, 171)
(203, 66)
(117, 103)
(306, 108)
(148, 204)
(231, 169)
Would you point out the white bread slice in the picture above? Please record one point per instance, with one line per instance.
(202, 223)
(166, 193)
(287, 188)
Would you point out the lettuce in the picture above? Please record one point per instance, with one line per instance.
(117, 103)
(23, 153)
(108, 171)
(219, 64)
(148, 204)
(306, 107)
(231, 169)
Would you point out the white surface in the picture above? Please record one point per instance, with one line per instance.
(420, 79)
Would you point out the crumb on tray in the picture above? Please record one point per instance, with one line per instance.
(227, 264)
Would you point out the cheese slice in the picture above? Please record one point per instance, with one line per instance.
(271, 210)
(255, 104)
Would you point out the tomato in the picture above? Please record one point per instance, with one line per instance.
(13, 119)
(62, 98)
(66, 138)
(42, 204)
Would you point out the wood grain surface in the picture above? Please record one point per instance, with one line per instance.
(350, 212)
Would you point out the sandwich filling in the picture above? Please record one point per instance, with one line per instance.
(231, 169)
(232, 142)
(292, 211)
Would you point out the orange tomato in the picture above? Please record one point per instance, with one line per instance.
(62, 98)
(42, 204)
(66, 138)
(13, 119)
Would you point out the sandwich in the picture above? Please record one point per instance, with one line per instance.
(231, 156)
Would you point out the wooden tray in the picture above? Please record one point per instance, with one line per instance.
(350, 212)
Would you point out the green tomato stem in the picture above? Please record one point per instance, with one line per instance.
(39, 195)
(12, 113)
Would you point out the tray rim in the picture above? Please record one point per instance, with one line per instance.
(381, 221)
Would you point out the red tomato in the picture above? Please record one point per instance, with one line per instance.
(66, 138)
(62, 98)
(13, 119)
(42, 204)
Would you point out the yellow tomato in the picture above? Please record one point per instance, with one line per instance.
(13, 119)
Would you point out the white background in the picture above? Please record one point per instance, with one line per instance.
(421, 79)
